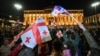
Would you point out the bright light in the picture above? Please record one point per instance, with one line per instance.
(95, 4)
(10, 16)
(18, 6)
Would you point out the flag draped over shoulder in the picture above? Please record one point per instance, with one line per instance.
(36, 34)
(59, 10)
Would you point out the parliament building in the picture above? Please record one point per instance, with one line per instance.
(92, 19)
(31, 15)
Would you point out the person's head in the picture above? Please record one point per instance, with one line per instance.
(72, 36)
(70, 46)
(95, 52)
(57, 45)
(6, 41)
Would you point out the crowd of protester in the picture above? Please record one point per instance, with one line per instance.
(72, 43)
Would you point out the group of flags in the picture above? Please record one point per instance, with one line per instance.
(38, 32)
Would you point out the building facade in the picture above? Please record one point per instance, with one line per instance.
(31, 15)
(93, 20)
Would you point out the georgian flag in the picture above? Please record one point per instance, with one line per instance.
(53, 23)
(44, 33)
(36, 34)
(28, 39)
(59, 34)
(59, 10)
(43, 30)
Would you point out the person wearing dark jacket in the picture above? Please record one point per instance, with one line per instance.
(26, 51)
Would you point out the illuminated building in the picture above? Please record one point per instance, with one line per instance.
(31, 15)
(92, 20)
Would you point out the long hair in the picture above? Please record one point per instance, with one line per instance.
(57, 45)
(70, 46)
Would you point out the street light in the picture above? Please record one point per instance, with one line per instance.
(95, 4)
(18, 7)
(10, 16)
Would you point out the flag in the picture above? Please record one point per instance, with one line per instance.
(43, 30)
(44, 33)
(59, 34)
(28, 39)
(59, 10)
(36, 34)
(53, 23)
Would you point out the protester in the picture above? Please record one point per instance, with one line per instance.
(16, 48)
(57, 48)
(71, 35)
(5, 48)
(43, 49)
(94, 52)
(26, 51)
(69, 49)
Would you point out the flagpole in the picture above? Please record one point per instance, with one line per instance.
(88, 36)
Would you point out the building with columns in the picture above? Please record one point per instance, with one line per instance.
(31, 15)
(92, 20)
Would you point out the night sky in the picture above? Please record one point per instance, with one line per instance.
(7, 6)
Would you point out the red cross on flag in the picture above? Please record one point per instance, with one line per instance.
(59, 34)
(36, 34)
(43, 29)
(28, 39)
(44, 33)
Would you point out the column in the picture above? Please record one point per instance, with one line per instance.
(29, 18)
(25, 19)
(64, 20)
(33, 18)
(68, 20)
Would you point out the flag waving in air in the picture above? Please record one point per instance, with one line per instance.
(43, 30)
(28, 39)
(36, 34)
(53, 23)
(59, 34)
(59, 10)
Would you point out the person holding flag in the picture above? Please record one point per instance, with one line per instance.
(34, 35)
(60, 10)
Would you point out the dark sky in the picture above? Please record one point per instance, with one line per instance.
(7, 6)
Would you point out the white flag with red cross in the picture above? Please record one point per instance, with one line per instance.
(36, 34)
(59, 34)
(53, 23)
(43, 30)
(28, 39)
